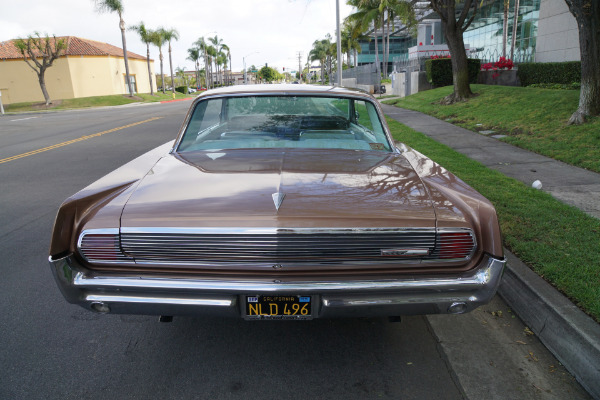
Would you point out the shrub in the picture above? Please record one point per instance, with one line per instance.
(182, 89)
(502, 63)
(439, 71)
(570, 86)
(564, 73)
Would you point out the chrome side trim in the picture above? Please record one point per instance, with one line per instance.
(157, 300)
(262, 231)
(191, 295)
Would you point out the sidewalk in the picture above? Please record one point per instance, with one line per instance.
(571, 185)
(572, 336)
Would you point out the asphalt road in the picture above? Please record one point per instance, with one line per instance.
(50, 349)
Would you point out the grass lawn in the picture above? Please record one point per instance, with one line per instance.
(534, 119)
(96, 101)
(559, 242)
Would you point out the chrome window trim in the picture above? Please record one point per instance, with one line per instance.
(292, 92)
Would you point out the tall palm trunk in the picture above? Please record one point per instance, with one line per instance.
(162, 74)
(149, 71)
(505, 27)
(514, 32)
(127, 80)
(171, 66)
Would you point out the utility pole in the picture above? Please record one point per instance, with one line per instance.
(340, 62)
(300, 66)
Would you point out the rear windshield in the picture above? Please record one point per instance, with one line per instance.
(284, 122)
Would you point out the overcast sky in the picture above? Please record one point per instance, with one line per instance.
(276, 29)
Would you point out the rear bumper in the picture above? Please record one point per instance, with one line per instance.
(192, 295)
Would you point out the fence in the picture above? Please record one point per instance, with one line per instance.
(403, 63)
(364, 75)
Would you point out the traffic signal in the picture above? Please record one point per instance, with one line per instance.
(284, 69)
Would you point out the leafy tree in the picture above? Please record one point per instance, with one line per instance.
(455, 24)
(587, 14)
(146, 37)
(117, 6)
(46, 49)
(169, 35)
(158, 40)
(268, 74)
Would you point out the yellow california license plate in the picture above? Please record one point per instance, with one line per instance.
(278, 307)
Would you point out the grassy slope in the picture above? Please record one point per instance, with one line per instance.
(559, 242)
(96, 101)
(534, 119)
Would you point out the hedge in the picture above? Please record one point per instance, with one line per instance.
(563, 73)
(439, 71)
(182, 89)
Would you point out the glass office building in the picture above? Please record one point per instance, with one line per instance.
(484, 35)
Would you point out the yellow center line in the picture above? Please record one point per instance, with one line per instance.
(55, 146)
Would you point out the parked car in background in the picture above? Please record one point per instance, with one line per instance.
(279, 202)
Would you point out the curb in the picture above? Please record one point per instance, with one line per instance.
(173, 101)
(571, 335)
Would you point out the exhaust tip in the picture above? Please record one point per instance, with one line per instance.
(457, 308)
(100, 307)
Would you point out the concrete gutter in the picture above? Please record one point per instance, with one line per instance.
(571, 335)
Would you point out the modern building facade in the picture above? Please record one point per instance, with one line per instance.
(86, 68)
(545, 31)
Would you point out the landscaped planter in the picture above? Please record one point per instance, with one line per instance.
(503, 77)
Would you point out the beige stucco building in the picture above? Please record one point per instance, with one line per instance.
(87, 68)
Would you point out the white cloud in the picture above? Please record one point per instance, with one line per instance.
(277, 29)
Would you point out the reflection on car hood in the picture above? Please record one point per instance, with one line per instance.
(318, 188)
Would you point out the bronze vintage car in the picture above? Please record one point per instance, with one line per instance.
(279, 202)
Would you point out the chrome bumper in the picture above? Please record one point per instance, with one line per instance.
(190, 295)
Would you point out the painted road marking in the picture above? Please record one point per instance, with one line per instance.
(22, 119)
(30, 153)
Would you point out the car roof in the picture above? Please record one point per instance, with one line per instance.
(285, 89)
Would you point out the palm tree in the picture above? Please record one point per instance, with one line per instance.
(194, 55)
(227, 58)
(158, 40)
(117, 6)
(146, 37)
(170, 34)
(319, 52)
(368, 12)
(212, 55)
(217, 43)
(201, 44)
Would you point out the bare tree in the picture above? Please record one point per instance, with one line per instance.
(46, 49)
(587, 14)
(454, 27)
(117, 6)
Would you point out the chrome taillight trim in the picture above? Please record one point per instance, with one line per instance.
(94, 255)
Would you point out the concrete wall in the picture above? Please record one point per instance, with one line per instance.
(19, 83)
(105, 75)
(72, 77)
(558, 36)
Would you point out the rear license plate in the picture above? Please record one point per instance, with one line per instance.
(279, 307)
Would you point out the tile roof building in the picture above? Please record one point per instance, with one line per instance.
(86, 68)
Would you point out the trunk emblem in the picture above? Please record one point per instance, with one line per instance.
(404, 252)
(278, 199)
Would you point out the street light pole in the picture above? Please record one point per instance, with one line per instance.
(244, 61)
(340, 62)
